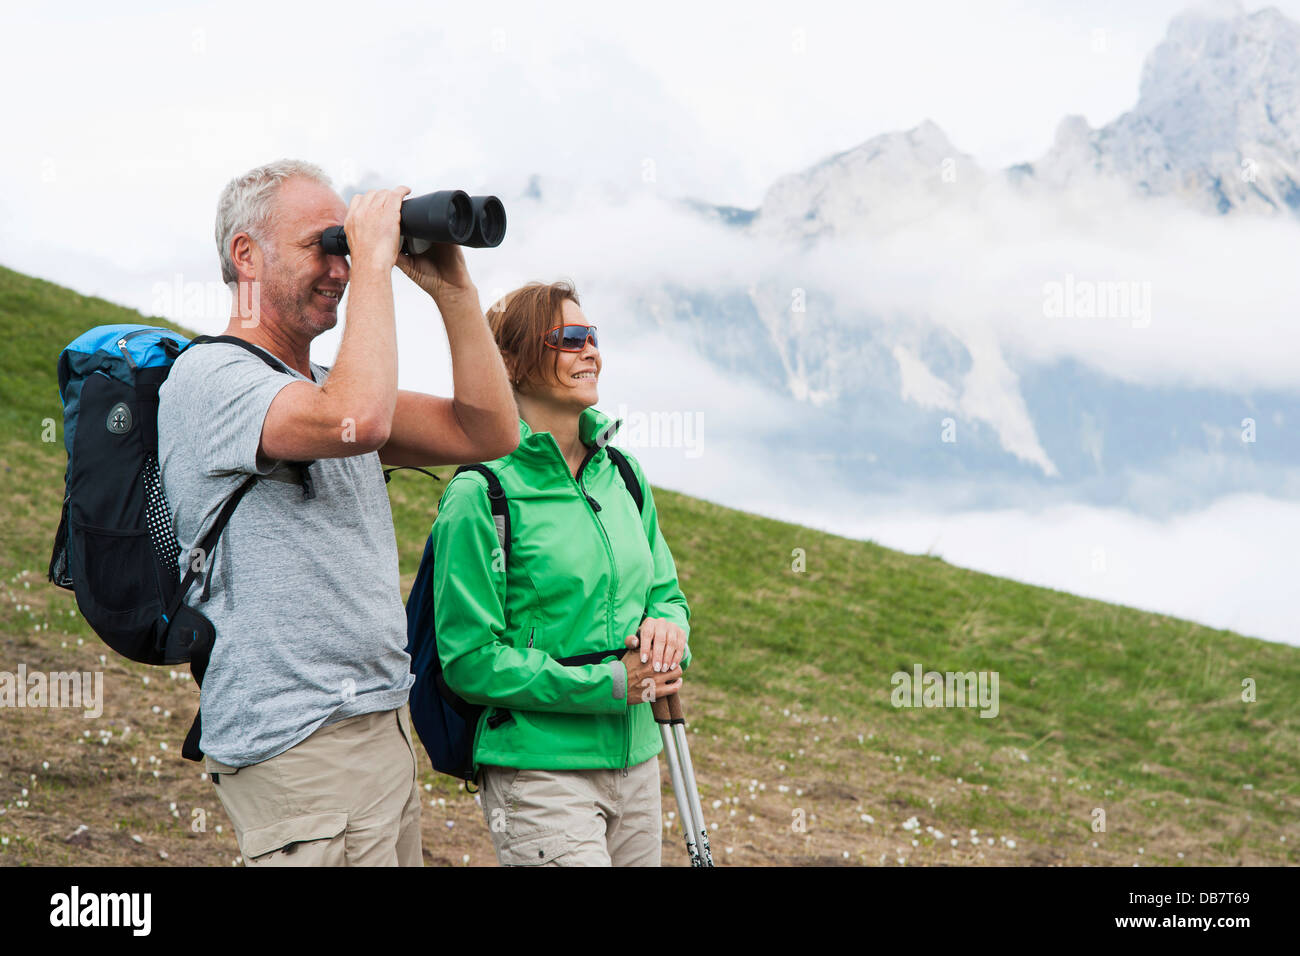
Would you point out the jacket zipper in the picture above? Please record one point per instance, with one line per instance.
(612, 592)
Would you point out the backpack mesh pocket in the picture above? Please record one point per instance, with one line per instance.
(159, 517)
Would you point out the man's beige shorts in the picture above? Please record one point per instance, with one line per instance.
(574, 817)
(345, 796)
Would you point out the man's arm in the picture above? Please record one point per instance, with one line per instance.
(352, 412)
(481, 421)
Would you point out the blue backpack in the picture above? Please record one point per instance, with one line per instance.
(116, 545)
(445, 722)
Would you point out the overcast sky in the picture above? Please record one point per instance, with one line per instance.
(128, 100)
(122, 122)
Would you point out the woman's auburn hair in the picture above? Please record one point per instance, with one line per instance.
(520, 320)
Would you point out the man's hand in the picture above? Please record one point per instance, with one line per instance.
(439, 271)
(644, 685)
(373, 228)
(663, 643)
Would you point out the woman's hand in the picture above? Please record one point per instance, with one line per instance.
(662, 643)
(644, 684)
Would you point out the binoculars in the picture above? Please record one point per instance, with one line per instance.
(451, 216)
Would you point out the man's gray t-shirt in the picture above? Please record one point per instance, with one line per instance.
(305, 596)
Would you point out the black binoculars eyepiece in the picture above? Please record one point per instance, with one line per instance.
(451, 216)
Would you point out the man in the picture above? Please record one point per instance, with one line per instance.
(304, 723)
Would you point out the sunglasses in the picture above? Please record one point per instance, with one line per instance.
(571, 338)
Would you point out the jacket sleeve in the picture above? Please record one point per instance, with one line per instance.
(469, 614)
(666, 598)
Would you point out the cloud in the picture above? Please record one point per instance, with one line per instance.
(1228, 565)
(1220, 287)
(919, 385)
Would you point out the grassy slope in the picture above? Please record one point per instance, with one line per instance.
(1101, 706)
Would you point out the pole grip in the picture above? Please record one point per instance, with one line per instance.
(661, 709)
(674, 705)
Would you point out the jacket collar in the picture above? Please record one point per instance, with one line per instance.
(595, 430)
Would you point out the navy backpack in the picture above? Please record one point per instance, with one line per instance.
(116, 545)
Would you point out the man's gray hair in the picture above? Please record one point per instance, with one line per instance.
(245, 205)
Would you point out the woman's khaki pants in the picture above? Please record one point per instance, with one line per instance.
(574, 817)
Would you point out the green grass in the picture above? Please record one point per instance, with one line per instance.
(1101, 706)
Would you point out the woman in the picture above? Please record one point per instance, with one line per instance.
(567, 751)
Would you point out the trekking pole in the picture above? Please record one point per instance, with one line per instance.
(688, 769)
(663, 718)
(672, 727)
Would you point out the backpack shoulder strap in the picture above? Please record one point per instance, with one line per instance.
(206, 548)
(246, 346)
(497, 501)
(629, 476)
(200, 654)
(302, 468)
(388, 472)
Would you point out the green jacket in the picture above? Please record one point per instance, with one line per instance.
(584, 569)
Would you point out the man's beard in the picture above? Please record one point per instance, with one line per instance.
(291, 306)
(296, 309)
